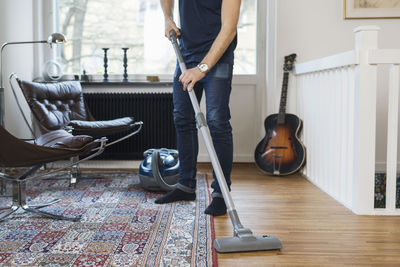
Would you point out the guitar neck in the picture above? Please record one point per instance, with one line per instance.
(282, 105)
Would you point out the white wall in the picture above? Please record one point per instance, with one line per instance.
(16, 21)
(22, 20)
(316, 28)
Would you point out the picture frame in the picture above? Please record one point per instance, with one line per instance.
(371, 9)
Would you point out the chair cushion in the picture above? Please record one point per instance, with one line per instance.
(62, 139)
(101, 128)
(54, 105)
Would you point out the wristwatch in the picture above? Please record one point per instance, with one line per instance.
(203, 67)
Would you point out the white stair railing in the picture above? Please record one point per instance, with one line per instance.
(336, 98)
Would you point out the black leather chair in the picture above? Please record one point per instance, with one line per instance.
(49, 147)
(61, 106)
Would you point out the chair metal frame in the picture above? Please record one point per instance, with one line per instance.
(19, 186)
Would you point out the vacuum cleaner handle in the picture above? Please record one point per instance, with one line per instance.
(182, 66)
(243, 239)
(174, 40)
(202, 125)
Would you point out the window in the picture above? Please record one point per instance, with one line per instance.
(91, 25)
(245, 53)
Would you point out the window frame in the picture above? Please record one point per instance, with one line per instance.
(51, 18)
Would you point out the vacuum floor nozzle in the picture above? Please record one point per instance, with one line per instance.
(248, 243)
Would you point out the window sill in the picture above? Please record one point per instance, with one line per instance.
(117, 78)
(124, 83)
(97, 79)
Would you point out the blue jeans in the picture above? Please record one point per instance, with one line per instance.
(217, 86)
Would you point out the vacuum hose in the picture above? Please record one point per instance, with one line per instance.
(156, 161)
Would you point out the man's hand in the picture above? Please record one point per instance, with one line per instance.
(170, 25)
(168, 10)
(190, 77)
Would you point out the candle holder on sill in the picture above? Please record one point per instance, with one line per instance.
(125, 61)
(105, 75)
(84, 76)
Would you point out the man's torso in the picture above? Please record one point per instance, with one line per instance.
(200, 25)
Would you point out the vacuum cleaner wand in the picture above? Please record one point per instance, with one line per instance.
(243, 239)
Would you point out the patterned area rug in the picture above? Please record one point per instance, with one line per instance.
(380, 190)
(120, 226)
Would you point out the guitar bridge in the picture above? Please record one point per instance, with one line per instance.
(279, 147)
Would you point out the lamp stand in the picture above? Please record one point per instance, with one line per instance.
(2, 102)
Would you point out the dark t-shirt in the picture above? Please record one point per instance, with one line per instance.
(200, 25)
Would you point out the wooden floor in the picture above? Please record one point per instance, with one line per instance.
(315, 230)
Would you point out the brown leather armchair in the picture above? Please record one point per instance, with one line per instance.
(49, 147)
(61, 106)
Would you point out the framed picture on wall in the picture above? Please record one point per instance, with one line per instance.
(371, 9)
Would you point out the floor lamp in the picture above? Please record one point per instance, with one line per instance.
(54, 38)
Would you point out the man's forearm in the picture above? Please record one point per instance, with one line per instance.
(168, 8)
(229, 18)
(218, 47)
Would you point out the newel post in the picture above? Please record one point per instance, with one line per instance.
(366, 38)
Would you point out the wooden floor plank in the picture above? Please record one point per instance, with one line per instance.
(315, 230)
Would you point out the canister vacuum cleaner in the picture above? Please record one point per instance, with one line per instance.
(159, 170)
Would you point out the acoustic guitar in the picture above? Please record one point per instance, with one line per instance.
(281, 152)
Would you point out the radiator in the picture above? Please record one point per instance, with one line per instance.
(154, 109)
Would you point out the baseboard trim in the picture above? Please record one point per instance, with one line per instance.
(135, 164)
(103, 164)
(203, 157)
(381, 166)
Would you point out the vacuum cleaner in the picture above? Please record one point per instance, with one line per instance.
(159, 171)
(243, 239)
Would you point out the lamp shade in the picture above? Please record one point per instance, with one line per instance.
(56, 37)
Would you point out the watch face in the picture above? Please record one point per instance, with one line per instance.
(203, 67)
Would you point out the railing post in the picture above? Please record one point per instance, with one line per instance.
(366, 37)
